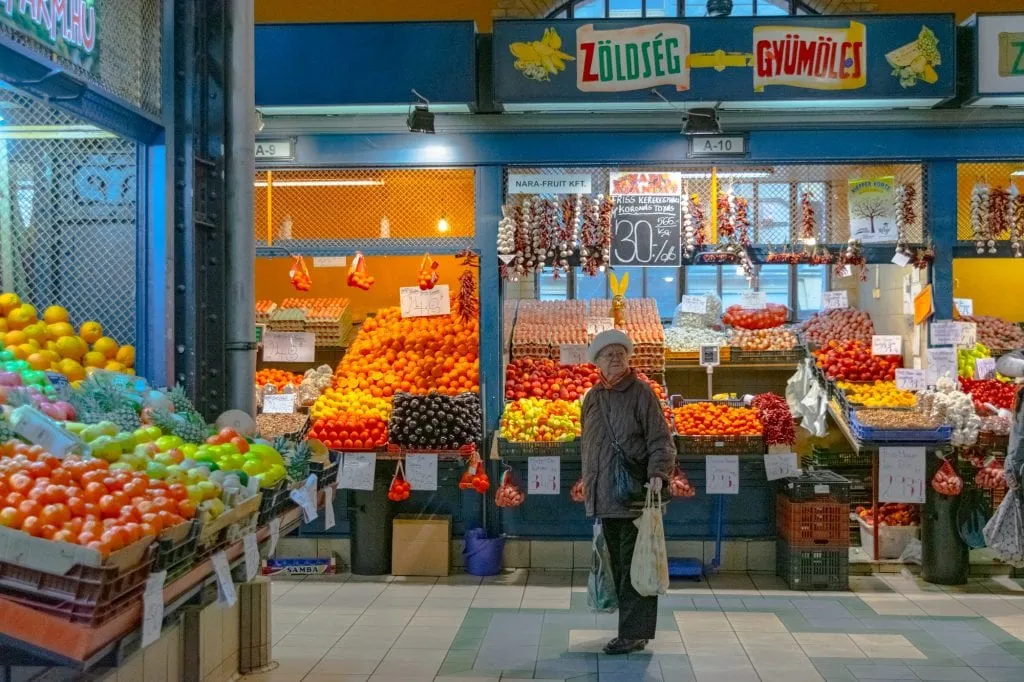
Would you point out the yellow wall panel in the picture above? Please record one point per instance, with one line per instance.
(995, 284)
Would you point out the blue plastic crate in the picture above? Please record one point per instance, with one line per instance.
(874, 435)
(685, 567)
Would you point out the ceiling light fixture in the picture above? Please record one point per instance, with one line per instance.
(701, 175)
(442, 224)
(702, 121)
(420, 119)
(719, 8)
(1014, 174)
(320, 183)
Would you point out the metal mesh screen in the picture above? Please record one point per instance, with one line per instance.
(127, 53)
(303, 210)
(774, 193)
(998, 177)
(67, 215)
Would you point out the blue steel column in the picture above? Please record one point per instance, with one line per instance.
(940, 214)
(155, 290)
(488, 191)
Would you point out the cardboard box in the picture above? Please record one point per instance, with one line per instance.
(421, 544)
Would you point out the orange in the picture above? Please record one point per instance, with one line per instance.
(56, 330)
(54, 314)
(9, 302)
(35, 332)
(126, 355)
(39, 361)
(3, 325)
(90, 331)
(15, 338)
(21, 317)
(107, 346)
(71, 369)
(94, 358)
(71, 347)
(113, 366)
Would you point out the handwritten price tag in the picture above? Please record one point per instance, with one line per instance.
(544, 476)
(945, 333)
(572, 354)
(901, 477)
(984, 368)
(723, 475)
(781, 465)
(305, 497)
(968, 335)
(275, 535)
(694, 304)
(964, 306)
(226, 595)
(153, 608)
(941, 362)
(289, 347)
(596, 325)
(753, 300)
(252, 556)
(419, 303)
(911, 379)
(421, 471)
(279, 403)
(886, 345)
(835, 300)
(357, 470)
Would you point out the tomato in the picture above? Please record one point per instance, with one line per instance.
(110, 506)
(147, 529)
(74, 525)
(187, 509)
(240, 443)
(94, 491)
(165, 504)
(65, 536)
(30, 508)
(55, 514)
(177, 491)
(33, 526)
(77, 506)
(21, 483)
(114, 538)
(14, 499)
(49, 530)
(133, 531)
(153, 521)
(11, 517)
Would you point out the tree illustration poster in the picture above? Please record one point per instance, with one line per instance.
(872, 210)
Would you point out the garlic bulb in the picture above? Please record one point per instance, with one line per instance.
(980, 214)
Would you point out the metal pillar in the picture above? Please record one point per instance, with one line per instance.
(940, 199)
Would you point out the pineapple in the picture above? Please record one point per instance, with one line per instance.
(188, 426)
(297, 458)
(180, 399)
(125, 416)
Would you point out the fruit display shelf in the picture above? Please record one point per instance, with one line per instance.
(519, 451)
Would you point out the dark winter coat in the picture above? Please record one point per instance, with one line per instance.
(639, 425)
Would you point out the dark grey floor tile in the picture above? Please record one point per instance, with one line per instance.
(867, 671)
(945, 673)
(1000, 674)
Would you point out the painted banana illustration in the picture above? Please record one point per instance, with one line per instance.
(541, 59)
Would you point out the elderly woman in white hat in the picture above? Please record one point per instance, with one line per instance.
(623, 420)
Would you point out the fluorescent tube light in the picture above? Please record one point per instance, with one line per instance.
(728, 174)
(1017, 173)
(320, 183)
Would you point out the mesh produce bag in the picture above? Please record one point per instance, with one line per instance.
(299, 275)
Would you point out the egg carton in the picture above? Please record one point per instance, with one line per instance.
(264, 311)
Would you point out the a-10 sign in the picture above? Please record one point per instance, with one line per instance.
(718, 145)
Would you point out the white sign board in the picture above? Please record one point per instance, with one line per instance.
(694, 304)
(717, 145)
(780, 465)
(968, 335)
(753, 300)
(710, 355)
(901, 259)
(329, 261)
(226, 595)
(901, 476)
(421, 471)
(886, 345)
(872, 210)
(723, 475)
(985, 368)
(1000, 62)
(535, 183)
(945, 333)
(305, 497)
(964, 306)
(153, 608)
(357, 470)
(267, 150)
(572, 354)
(911, 379)
(419, 303)
(835, 300)
(289, 347)
(596, 325)
(544, 475)
(279, 403)
(941, 362)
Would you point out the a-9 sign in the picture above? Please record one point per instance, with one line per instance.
(646, 231)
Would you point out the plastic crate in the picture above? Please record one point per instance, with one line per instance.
(90, 595)
(813, 569)
(720, 445)
(830, 459)
(326, 474)
(275, 501)
(521, 450)
(792, 356)
(176, 555)
(891, 543)
(871, 434)
(813, 524)
(992, 441)
(819, 485)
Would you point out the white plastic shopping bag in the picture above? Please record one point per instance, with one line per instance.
(1004, 533)
(649, 568)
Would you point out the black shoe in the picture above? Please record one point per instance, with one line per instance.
(619, 646)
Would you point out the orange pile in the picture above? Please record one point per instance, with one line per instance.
(716, 419)
(277, 377)
(412, 355)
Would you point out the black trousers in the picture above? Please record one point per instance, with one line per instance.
(638, 616)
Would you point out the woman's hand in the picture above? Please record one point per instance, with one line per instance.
(655, 485)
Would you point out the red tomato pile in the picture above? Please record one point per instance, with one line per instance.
(82, 502)
(772, 315)
(350, 433)
(891, 514)
(989, 391)
(528, 378)
(853, 361)
(399, 490)
(716, 419)
(946, 481)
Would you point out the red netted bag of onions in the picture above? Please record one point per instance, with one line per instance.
(508, 493)
(774, 415)
(679, 485)
(576, 492)
(946, 481)
(990, 476)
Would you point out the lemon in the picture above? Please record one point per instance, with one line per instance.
(94, 358)
(107, 346)
(19, 318)
(9, 302)
(114, 367)
(91, 331)
(36, 332)
(71, 369)
(56, 330)
(55, 314)
(39, 361)
(71, 347)
(15, 337)
(126, 355)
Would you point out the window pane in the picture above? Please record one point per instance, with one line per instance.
(588, 9)
(560, 14)
(588, 287)
(696, 8)
(773, 213)
(742, 8)
(811, 281)
(772, 8)
(817, 191)
(733, 284)
(701, 279)
(773, 280)
(662, 286)
(662, 8)
(552, 288)
(624, 8)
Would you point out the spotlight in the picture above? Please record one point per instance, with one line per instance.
(420, 120)
(719, 8)
(258, 122)
(701, 122)
(442, 225)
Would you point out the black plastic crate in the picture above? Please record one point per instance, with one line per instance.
(813, 569)
(819, 484)
(508, 449)
(830, 459)
(719, 445)
(178, 557)
(326, 474)
(275, 501)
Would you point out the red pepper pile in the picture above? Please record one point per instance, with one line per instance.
(946, 481)
(774, 415)
(989, 391)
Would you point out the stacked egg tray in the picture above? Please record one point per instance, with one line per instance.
(288, 320)
(264, 311)
(331, 325)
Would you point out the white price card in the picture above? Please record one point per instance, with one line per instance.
(780, 465)
(279, 403)
(722, 475)
(694, 304)
(845, 271)
(329, 261)
(329, 520)
(252, 556)
(901, 474)
(275, 535)
(911, 379)
(985, 368)
(753, 300)
(886, 345)
(421, 471)
(573, 354)
(153, 608)
(941, 362)
(38, 429)
(710, 355)
(226, 595)
(357, 470)
(419, 303)
(289, 347)
(596, 325)
(544, 475)
(835, 300)
(945, 333)
(901, 259)
(305, 497)
(968, 334)
(964, 306)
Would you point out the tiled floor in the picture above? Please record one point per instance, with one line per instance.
(535, 625)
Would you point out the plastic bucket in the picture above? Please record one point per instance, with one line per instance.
(483, 554)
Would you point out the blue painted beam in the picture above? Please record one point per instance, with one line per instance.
(940, 211)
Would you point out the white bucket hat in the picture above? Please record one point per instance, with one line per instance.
(609, 337)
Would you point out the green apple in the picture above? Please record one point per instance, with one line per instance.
(209, 489)
(104, 447)
(195, 493)
(189, 450)
(165, 458)
(145, 450)
(75, 427)
(165, 443)
(175, 474)
(254, 466)
(125, 441)
(156, 470)
(121, 466)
